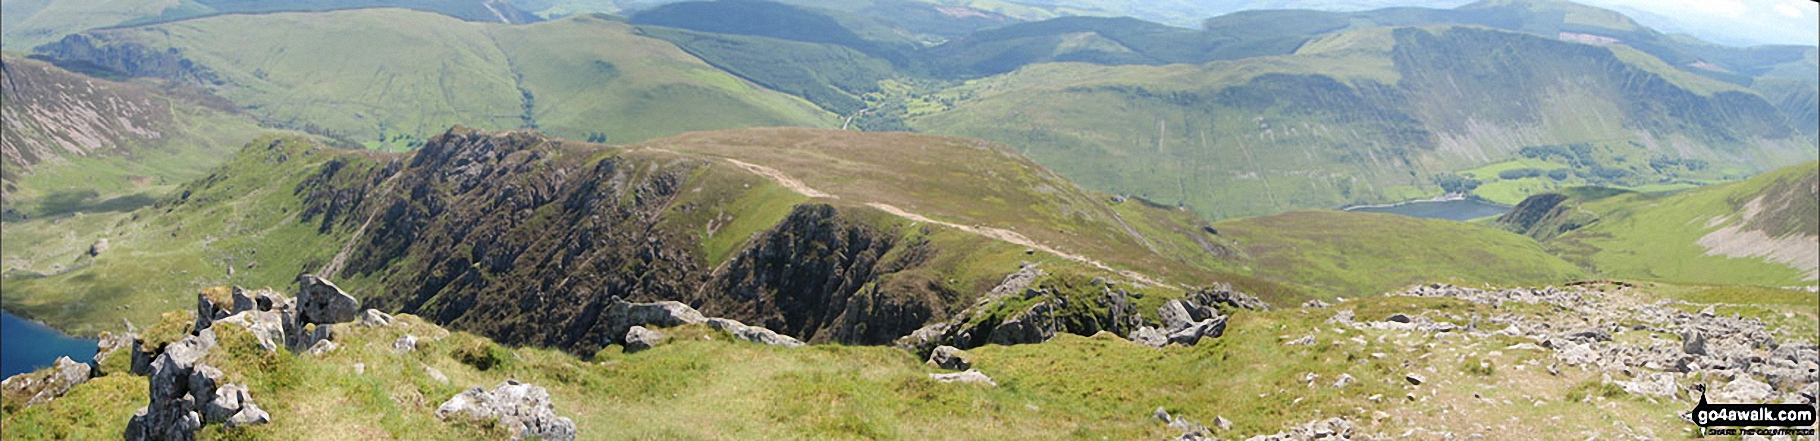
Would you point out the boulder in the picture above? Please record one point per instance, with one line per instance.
(322, 347)
(968, 376)
(1209, 328)
(267, 327)
(1344, 380)
(1174, 315)
(1653, 384)
(1398, 318)
(1744, 390)
(1693, 342)
(404, 345)
(1223, 294)
(621, 316)
(523, 409)
(1328, 429)
(753, 334)
(243, 301)
(1148, 336)
(950, 358)
(1575, 354)
(46, 385)
(640, 338)
(208, 311)
(250, 415)
(1304, 341)
(1414, 378)
(227, 401)
(100, 246)
(372, 318)
(321, 302)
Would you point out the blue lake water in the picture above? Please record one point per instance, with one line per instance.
(26, 346)
(1458, 210)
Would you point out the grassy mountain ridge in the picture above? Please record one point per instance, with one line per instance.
(461, 233)
(1364, 116)
(1760, 231)
(418, 73)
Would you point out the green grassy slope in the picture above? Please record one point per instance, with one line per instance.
(391, 77)
(1758, 232)
(1331, 253)
(705, 385)
(1366, 116)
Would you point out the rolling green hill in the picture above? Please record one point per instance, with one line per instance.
(1761, 231)
(29, 23)
(1382, 114)
(391, 77)
(77, 143)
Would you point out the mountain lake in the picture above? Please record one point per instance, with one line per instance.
(26, 346)
(1450, 209)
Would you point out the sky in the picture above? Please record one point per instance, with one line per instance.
(1727, 21)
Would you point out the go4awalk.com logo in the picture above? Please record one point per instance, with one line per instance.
(1752, 419)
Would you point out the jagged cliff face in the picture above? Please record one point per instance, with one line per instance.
(528, 240)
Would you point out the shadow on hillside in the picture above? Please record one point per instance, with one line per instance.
(88, 201)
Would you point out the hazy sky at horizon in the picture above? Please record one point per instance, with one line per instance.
(1729, 21)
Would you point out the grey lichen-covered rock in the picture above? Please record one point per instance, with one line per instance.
(1035, 324)
(404, 345)
(1209, 328)
(640, 338)
(321, 302)
(1148, 336)
(753, 334)
(227, 401)
(46, 385)
(322, 347)
(1174, 315)
(1744, 389)
(969, 376)
(1327, 429)
(1223, 294)
(373, 318)
(1658, 384)
(524, 410)
(1693, 342)
(950, 358)
(267, 327)
(173, 411)
(622, 315)
(249, 415)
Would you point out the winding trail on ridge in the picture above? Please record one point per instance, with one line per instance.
(992, 233)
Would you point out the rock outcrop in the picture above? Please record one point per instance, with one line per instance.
(1187, 321)
(628, 316)
(968, 376)
(1759, 368)
(46, 385)
(639, 338)
(950, 358)
(1052, 308)
(187, 394)
(523, 409)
